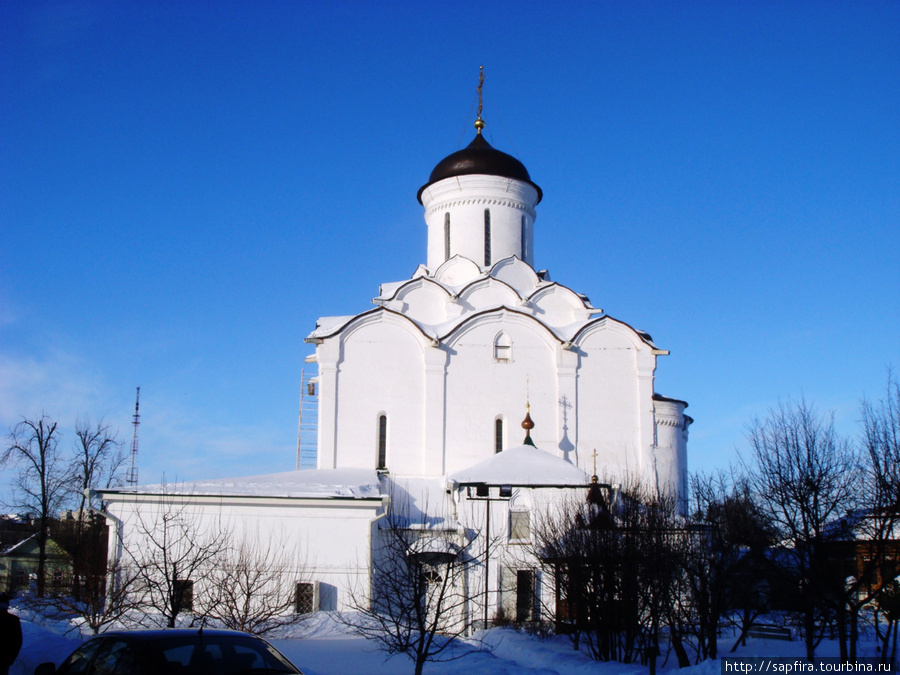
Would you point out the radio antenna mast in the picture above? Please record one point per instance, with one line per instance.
(133, 471)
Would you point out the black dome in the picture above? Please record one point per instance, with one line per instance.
(479, 157)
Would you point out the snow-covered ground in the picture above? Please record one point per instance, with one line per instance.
(325, 647)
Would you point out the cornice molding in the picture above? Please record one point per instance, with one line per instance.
(490, 201)
(667, 421)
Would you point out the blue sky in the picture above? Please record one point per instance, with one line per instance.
(186, 186)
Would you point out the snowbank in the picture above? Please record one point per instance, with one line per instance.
(324, 646)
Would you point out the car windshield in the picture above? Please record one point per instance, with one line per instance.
(220, 655)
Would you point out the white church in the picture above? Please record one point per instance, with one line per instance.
(461, 350)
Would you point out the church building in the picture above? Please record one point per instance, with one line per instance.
(461, 350)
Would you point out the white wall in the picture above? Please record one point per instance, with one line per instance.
(329, 539)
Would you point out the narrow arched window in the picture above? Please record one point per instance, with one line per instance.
(382, 442)
(447, 236)
(498, 434)
(487, 237)
(524, 241)
(502, 348)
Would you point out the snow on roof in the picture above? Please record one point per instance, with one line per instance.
(434, 546)
(11, 549)
(325, 325)
(523, 466)
(420, 503)
(388, 289)
(309, 483)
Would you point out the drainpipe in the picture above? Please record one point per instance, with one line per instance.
(385, 505)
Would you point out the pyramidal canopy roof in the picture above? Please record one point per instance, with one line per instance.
(479, 157)
(523, 466)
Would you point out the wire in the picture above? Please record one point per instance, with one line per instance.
(503, 126)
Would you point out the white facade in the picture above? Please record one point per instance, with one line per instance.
(460, 345)
(424, 395)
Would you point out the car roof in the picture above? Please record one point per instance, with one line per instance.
(152, 634)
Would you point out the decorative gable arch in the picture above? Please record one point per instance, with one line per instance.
(382, 315)
(486, 286)
(638, 339)
(500, 315)
(457, 271)
(564, 294)
(422, 283)
(516, 274)
(422, 300)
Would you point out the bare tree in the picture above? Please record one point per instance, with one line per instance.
(42, 483)
(575, 543)
(97, 462)
(616, 561)
(725, 570)
(888, 604)
(253, 587)
(99, 606)
(418, 597)
(806, 477)
(879, 565)
(169, 550)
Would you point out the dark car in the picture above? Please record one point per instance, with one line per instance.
(181, 651)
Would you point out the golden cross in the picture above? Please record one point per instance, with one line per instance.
(479, 123)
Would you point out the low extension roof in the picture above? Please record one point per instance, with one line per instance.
(306, 483)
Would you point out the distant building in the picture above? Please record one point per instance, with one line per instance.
(19, 565)
(420, 401)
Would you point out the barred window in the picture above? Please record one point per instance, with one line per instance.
(305, 598)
